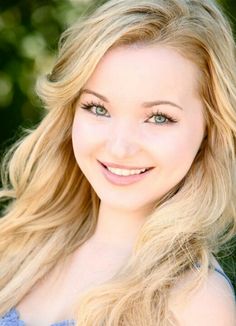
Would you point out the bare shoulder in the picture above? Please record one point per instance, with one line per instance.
(213, 303)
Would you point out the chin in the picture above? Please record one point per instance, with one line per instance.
(128, 203)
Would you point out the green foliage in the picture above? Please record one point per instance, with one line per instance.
(29, 34)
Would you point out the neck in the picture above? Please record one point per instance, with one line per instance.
(117, 228)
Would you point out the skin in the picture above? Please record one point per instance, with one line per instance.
(123, 133)
(213, 303)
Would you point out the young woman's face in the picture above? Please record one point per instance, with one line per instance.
(140, 109)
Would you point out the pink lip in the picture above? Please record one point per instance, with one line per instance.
(121, 179)
(113, 165)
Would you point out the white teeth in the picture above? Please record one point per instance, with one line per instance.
(125, 172)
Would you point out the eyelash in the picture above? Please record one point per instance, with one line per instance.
(89, 105)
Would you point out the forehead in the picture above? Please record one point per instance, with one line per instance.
(147, 71)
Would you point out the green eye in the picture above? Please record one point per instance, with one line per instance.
(160, 119)
(94, 108)
(99, 110)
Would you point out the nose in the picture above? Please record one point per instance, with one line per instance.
(123, 141)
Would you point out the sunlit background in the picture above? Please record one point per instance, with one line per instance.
(29, 33)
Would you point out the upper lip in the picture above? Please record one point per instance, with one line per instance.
(118, 166)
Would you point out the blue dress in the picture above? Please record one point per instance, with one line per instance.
(12, 317)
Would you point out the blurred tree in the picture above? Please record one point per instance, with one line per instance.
(29, 34)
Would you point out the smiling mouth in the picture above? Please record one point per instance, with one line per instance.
(113, 170)
(123, 177)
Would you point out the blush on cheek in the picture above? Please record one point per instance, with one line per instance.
(177, 156)
(81, 133)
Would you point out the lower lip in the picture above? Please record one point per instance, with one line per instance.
(122, 179)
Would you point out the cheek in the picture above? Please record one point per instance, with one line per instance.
(86, 136)
(175, 152)
(80, 137)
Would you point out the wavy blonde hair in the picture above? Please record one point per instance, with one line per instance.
(52, 209)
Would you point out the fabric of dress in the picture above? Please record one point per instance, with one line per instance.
(12, 317)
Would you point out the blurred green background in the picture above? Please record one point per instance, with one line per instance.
(29, 33)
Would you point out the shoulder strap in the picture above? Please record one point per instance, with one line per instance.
(226, 277)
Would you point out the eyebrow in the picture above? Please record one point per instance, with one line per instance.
(145, 104)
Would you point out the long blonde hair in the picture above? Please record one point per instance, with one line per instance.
(52, 209)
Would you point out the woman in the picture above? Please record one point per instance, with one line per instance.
(126, 189)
